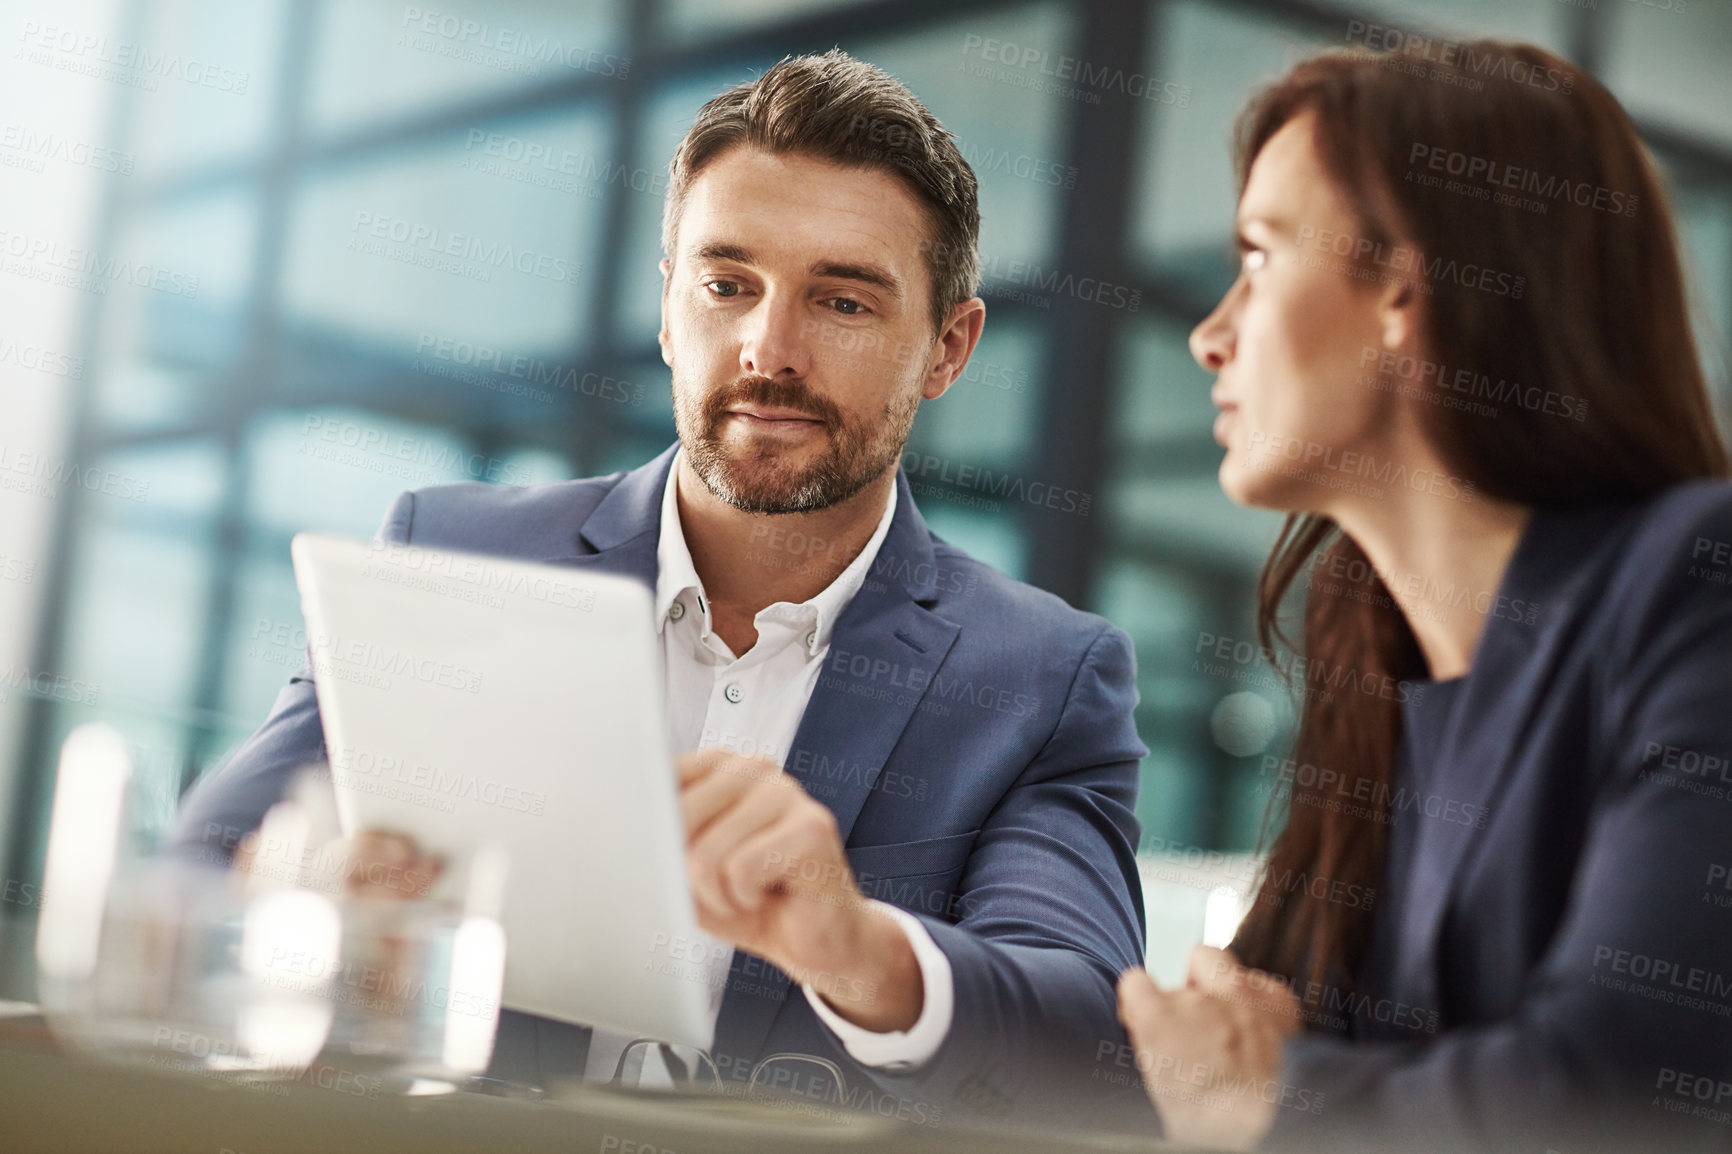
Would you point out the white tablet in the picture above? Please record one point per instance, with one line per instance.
(471, 700)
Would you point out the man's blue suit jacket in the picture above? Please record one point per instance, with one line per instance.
(974, 738)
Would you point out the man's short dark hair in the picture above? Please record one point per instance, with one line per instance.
(836, 108)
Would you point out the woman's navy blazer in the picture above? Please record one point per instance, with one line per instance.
(1551, 965)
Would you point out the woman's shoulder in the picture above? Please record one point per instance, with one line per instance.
(1682, 540)
(1672, 574)
(1612, 559)
(1689, 504)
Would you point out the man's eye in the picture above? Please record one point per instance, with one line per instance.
(724, 288)
(847, 307)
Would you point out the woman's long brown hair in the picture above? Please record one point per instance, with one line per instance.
(1598, 317)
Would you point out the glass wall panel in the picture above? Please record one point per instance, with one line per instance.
(375, 61)
(208, 78)
(1667, 60)
(437, 242)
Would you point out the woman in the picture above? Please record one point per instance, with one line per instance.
(1458, 355)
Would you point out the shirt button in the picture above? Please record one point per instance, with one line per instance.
(733, 692)
(812, 639)
(676, 611)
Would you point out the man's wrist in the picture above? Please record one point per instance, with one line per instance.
(874, 980)
(899, 1051)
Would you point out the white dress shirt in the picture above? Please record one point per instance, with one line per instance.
(752, 705)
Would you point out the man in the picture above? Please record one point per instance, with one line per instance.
(873, 709)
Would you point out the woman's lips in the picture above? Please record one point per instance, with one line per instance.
(1223, 421)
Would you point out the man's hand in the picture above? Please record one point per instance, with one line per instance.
(382, 863)
(375, 863)
(1211, 1052)
(768, 874)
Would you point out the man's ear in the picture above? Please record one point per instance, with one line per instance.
(662, 337)
(955, 344)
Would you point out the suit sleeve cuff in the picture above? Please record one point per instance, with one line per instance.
(901, 1050)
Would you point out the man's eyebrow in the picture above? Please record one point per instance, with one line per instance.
(720, 250)
(864, 273)
(833, 269)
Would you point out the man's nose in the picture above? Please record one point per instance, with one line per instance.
(774, 343)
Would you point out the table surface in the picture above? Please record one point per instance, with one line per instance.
(53, 1100)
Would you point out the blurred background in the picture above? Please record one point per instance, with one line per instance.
(227, 314)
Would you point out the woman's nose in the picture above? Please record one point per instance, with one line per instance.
(1211, 341)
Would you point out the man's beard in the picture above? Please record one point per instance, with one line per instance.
(757, 480)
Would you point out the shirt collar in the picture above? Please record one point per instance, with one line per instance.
(676, 574)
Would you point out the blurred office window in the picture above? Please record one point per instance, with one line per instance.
(1471, 20)
(1667, 63)
(699, 20)
(392, 247)
(376, 65)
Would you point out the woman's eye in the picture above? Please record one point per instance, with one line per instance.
(724, 288)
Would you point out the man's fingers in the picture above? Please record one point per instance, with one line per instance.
(374, 863)
(384, 845)
(800, 852)
(705, 794)
(698, 763)
(705, 799)
(389, 864)
(702, 763)
(713, 921)
(749, 813)
(750, 868)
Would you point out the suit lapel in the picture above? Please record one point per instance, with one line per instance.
(621, 533)
(885, 652)
(632, 559)
(1514, 661)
